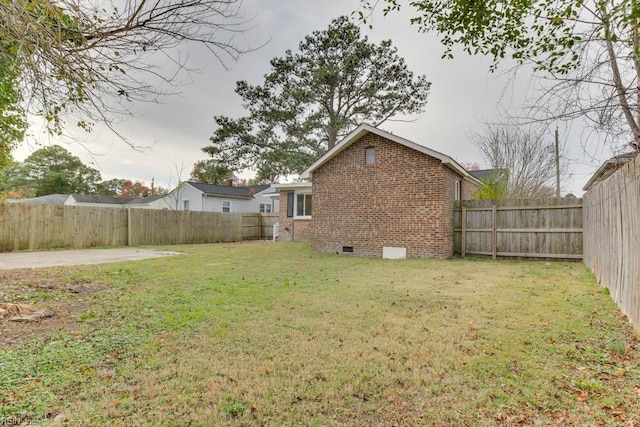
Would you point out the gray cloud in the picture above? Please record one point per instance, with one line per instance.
(463, 94)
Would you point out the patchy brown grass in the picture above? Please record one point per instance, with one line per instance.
(49, 290)
(272, 334)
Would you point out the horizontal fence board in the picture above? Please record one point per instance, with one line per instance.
(527, 255)
(526, 230)
(520, 228)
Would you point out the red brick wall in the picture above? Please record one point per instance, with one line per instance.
(290, 228)
(404, 200)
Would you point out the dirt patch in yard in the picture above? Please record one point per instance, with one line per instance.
(40, 303)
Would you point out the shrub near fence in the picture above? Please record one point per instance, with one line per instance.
(546, 228)
(33, 227)
(612, 237)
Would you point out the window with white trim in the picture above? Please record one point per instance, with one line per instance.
(185, 205)
(226, 206)
(458, 192)
(265, 208)
(303, 204)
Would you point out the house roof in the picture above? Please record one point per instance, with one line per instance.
(608, 168)
(111, 200)
(228, 191)
(50, 199)
(483, 174)
(146, 199)
(364, 129)
(106, 200)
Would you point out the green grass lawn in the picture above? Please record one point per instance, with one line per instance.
(274, 334)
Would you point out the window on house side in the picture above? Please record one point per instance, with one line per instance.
(457, 191)
(370, 155)
(226, 206)
(303, 204)
(265, 208)
(290, 197)
(185, 205)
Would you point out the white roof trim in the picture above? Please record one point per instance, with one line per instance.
(293, 186)
(363, 129)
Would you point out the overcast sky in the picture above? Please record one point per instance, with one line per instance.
(463, 95)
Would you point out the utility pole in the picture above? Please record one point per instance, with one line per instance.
(557, 167)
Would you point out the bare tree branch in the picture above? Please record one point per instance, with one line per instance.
(92, 60)
(524, 153)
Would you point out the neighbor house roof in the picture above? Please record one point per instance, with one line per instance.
(106, 200)
(146, 199)
(483, 174)
(364, 129)
(112, 200)
(228, 191)
(608, 168)
(50, 199)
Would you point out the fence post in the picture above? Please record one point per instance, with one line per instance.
(494, 231)
(129, 231)
(463, 223)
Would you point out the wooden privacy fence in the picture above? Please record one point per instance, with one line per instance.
(33, 227)
(548, 228)
(612, 237)
(258, 226)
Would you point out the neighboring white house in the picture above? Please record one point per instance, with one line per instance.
(195, 196)
(148, 202)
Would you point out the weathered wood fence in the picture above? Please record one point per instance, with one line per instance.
(258, 226)
(32, 227)
(548, 228)
(612, 237)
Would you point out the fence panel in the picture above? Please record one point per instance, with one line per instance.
(166, 227)
(33, 227)
(521, 228)
(45, 226)
(251, 227)
(612, 237)
(268, 221)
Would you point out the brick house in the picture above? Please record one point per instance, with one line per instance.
(376, 194)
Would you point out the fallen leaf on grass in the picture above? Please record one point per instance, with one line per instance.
(9, 309)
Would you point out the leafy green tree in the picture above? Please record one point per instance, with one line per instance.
(492, 188)
(93, 58)
(127, 188)
(110, 187)
(53, 169)
(335, 81)
(211, 172)
(587, 49)
(12, 117)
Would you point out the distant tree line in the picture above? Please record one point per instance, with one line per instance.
(54, 170)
